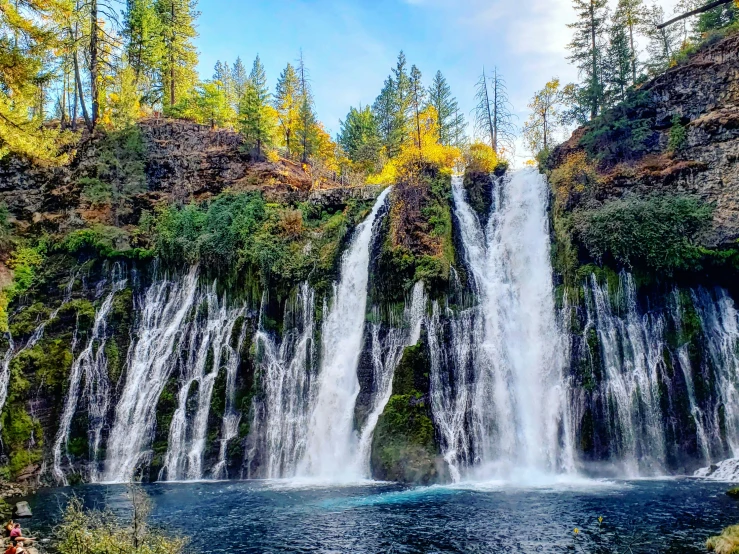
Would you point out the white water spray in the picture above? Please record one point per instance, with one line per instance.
(92, 365)
(152, 358)
(517, 423)
(332, 442)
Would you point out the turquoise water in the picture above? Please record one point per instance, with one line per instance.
(277, 516)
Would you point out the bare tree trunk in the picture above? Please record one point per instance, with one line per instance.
(79, 92)
(94, 69)
(172, 95)
(633, 53)
(595, 102)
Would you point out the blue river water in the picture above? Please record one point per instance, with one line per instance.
(651, 516)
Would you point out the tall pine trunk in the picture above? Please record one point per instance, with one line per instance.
(94, 64)
(595, 84)
(172, 95)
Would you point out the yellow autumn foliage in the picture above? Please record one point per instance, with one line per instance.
(480, 158)
(414, 155)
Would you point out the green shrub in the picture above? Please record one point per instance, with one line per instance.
(657, 233)
(678, 135)
(622, 133)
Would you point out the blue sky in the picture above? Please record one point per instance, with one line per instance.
(350, 46)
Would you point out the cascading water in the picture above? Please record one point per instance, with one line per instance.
(207, 351)
(152, 359)
(515, 413)
(287, 371)
(91, 365)
(720, 321)
(385, 358)
(632, 348)
(331, 441)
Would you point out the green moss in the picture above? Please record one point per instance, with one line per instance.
(403, 446)
(733, 493)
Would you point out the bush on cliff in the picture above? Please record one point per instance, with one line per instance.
(658, 233)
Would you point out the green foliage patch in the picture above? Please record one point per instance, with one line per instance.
(658, 233)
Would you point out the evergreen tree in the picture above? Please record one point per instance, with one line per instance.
(287, 103)
(447, 110)
(718, 18)
(360, 138)
(417, 101)
(25, 38)
(617, 69)
(240, 79)
(587, 48)
(383, 111)
(143, 46)
(630, 17)
(402, 108)
(256, 116)
(663, 43)
(307, 119)
(177, 19)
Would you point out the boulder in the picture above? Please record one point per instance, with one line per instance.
(22, 509)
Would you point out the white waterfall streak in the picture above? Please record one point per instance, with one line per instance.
(683, 356)
(152, 359)
(332, 442)
(517, 421)
(384, 362)
(632, 348)
(287, 370)
(450, 386)
(720, 321)
(207, 350)
(231, 417)
(92, 365)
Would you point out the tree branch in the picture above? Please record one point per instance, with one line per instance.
(705, 8)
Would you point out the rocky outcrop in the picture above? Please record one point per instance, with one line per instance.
(703, 93)
(182, 162)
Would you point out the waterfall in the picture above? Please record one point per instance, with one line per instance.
(720, 322)
(287, 372)
(152, 359)
(206, 351)
(91, 364)
(632, 348)
(38, 333)
(684, 361)
(231, 417)
(385, 358)
(516, 415)
(450, 383)
(331, 441)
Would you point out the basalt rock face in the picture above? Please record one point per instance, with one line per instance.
(703, 93)
(181, 162)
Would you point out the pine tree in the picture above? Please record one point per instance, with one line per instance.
(177, 71)
(417, 102)
(447, 110)
(25, 37)
(402, 108)
(383, 111)
(587, 49)
(287, 104)
(307, 119)
(143, 47)
(630, 16)
(663, 43)
(256, 116)
(240, 79)
(617, 69)
(360, 138)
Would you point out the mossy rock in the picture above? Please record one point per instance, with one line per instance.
(403, 447)
(733, 493)
(479, 187)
